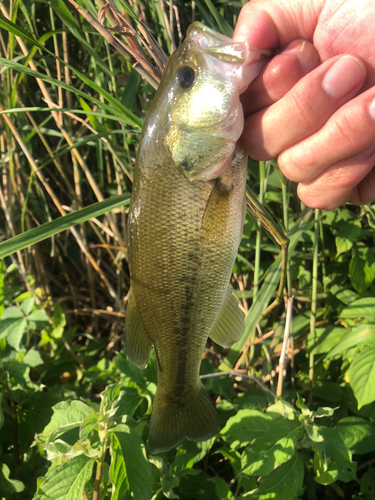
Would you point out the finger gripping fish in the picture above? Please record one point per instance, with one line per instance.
(184, 227)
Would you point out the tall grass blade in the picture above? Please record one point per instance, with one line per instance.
(265, 294)
(223, 24)
(67, 18)
(48, 229)
(132, 120)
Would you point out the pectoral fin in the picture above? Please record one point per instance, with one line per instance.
(137, 342)
(229, 325)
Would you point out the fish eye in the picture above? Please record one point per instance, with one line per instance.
(185, 77)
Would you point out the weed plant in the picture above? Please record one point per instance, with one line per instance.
(295, 395)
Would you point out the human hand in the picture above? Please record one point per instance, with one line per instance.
(319, 119)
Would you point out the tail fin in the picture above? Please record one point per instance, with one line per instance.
(193, 417)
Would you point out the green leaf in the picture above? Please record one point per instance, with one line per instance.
(348, 232)
(168, 482)
(273, 449)
(127, 450)
(32, 358)
(357, 433)
(12, 312)
(110, 398)
(15, 333)
(362, 268)
(333, 459)
(284, 483)
(282, 409)
(363, 333)
(19, 377)
(58, 322)
(221, 488)
(117, 472)
(323, 340)
(37, 320)
(67, 415)
(129, 401)
(88, 425)
(9, 485)
(361, 376)
(66, 482)
(27, 305)
(245, 426)
(368, 485)
(361, 308)
(48, 229)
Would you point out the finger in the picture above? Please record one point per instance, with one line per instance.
(268, 25)
(350, 180)
(280, 74)
(348, 132)
(364, 193)
(305, 109)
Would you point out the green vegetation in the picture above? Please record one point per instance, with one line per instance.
(295, 395)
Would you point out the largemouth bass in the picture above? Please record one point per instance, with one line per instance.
(184, 227)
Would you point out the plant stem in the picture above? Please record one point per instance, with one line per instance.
(288, 321)
(314, 290)
(98, 477)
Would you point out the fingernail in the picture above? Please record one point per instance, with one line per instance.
(302, 49)
(372, 109)
(343, 77)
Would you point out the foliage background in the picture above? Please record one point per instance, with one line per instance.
(74, 412)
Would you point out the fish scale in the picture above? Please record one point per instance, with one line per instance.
(184, 227)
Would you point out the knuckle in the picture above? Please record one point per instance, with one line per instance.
(344, 130)
(302, 112)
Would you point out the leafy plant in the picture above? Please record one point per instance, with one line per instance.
(295, 395)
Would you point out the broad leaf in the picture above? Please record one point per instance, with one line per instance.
(333, 460)
(284, 483)
(363, 333)
(245, 426)
(357, 433)
(8, 485)
(362, 377)
(361, 308)
(19, 377)
(130, 471)
(362, 268)
(66, 416)
(324, 339)
(15, 333)
(32, 358)
(347, 233)
(66, 482)
(273, 449)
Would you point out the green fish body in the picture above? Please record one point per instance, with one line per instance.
(184, 227)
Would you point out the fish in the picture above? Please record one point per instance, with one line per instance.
(184, 227)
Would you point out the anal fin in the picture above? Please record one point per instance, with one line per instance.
(229, 325)
(137, 342)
